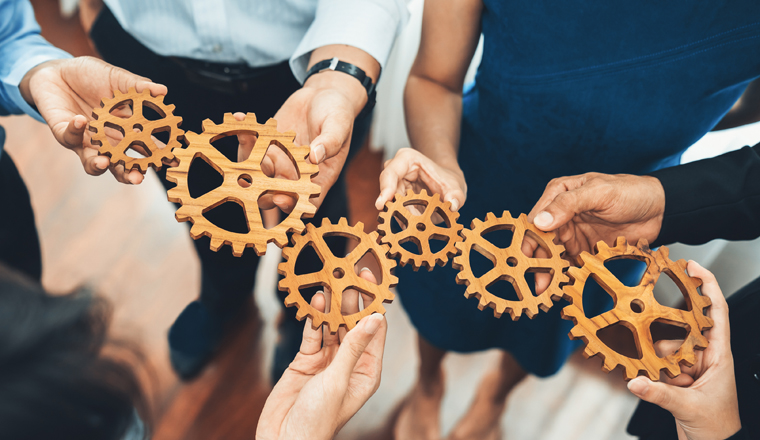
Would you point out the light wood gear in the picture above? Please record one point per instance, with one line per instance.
(420, 229)
(155, 155)
(337, 274)
(636, 308)
(510, 264)
(234, 173)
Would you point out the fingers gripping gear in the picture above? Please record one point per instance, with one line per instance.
(136, 129)
(193, 209)
(420, 229)
(637, 308)
(510, 264)
(337, 274)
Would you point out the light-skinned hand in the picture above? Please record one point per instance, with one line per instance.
(330, 379)
(65, 92)
(410, 169)
(703, 397)
(594, 207)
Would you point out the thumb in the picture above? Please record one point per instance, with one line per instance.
(73, 135)
(668, 397)
(564, 207)
(335, 131)
(353, 346)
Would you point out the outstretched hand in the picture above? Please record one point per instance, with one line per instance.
(703, 397)
(594, 207)
(65, 92)
(330, 379)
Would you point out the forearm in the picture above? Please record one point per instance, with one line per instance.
(433, 115)
(712, 198)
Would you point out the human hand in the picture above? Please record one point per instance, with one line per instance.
(330, 379)
(410, 169)
(65, 92)
(322, 115)
(592, 207)
(703, 397)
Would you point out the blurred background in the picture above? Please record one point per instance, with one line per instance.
(124, 242)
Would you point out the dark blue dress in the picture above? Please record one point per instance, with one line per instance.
(568, 87)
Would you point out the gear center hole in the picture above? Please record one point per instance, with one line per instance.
(245, 180)
(511, 261)
(339, 273)
(420, 227)
(137, 128)
(637, 306)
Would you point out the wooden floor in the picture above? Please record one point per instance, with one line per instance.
(123, 241)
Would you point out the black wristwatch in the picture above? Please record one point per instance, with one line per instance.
(350, 69)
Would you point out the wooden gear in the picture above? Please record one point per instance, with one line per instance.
(420, 229)
(337, 274)
(636, 308)
(510, 264)
(193, 209)
(118, 153)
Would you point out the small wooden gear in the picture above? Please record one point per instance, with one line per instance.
(420, 229)
(193, 209)
(636, 308)
(510, 264)
(337, 274)
(127, 126)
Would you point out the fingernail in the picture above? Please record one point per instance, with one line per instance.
(379, 199)
(319, 153)
(373, 323)
(364, 269)
(78, 124)
(100, 164)
(543, 219)
(638, 386)
(454, 205)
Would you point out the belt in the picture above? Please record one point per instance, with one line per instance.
(228, 78)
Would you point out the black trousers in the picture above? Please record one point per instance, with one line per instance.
(650, 422)
(226, 280)
(19, 243)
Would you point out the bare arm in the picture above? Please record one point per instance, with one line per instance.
(433, 104)
(433, 95)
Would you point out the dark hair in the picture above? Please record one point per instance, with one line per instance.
(54, 383)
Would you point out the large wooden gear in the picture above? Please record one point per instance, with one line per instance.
(233, 173)
(636, 308)
(156, 156)
(337, 274)
(510, 264)
(420, 229)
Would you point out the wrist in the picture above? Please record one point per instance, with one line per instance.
(346, 85)
(27, 85)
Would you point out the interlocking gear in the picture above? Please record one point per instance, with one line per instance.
(420, 229)
(156, 156)
(637, 308)
(510, 264)
(234, 173)
(337, 274)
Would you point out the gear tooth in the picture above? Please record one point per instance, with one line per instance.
(506, 215)
(207, 125)
(599, 247)
(272, 122)
(643, 243)
(588, 352)
(325, 222)
(216, 243)
(301, 313)
(490, 217)
(171, 108)
(229, 118)
(238, 249)
(343, 222)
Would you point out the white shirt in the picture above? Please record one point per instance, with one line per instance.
(261, 32)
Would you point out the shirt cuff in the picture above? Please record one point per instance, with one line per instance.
(13, 79)
(366, 25)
